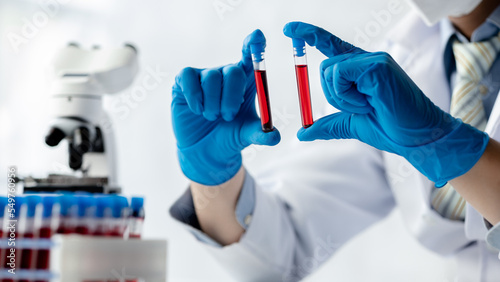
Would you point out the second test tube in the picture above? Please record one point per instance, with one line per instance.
(259, 67)
(299, 54)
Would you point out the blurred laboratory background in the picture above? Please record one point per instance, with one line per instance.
(170, 35)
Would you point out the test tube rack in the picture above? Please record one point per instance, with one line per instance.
(79, 258)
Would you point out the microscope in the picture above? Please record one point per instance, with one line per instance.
(80, 78)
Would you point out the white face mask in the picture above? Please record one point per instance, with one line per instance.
(432, 11)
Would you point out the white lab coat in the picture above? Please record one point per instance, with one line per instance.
(323, 193)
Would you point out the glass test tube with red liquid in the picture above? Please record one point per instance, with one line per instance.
(299, 54)
(259, 66)
(86, 212)
(68, 215)
(136, 218)
(103, 215)
(49, 224)
(27, 227)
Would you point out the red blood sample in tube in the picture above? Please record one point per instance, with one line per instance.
(43, 256)
(26, 255)
(304, 95)
(263, 97)
(82, 230)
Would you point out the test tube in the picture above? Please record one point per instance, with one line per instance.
(259, 66)
(118, 223)
(49, 224)
(103, 215)
(86, 212)
(27, 231)
(299, 54)
(68, 215)
(136, 219)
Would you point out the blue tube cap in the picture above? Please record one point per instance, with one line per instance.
(257, 49)
(102, 204)
(84, 204)
(67, 203)
(3, 203)
(19, 201)
(48, 205)
(32, 202)
(119, 204)
(137, 203)
(299, 45)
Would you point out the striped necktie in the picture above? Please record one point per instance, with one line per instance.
(473, 61)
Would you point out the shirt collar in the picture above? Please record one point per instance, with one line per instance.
(485, 31)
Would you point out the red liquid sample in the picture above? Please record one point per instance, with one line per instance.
(43, 256)
(82, 230)
(99, 231)
(263, 97)
(26, 256)
(115, 232)
(65, 227)
(304, 95)
(6, 253)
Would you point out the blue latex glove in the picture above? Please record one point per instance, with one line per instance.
(381, 106)
(214, 118)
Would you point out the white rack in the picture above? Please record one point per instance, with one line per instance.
(77, 258)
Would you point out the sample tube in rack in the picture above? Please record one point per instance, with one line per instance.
(299, 54)
(27, 230)
(49, 224)
(259, 66)
(68, 215)
(86, 213)
(136, 218)
(103, 215)
(118, 221)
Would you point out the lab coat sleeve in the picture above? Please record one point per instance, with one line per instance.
(183, 211)
(308, 203)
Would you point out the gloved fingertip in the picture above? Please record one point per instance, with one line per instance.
(228, 116)
(268, 138)
(303, 134)
(256, 37)
(196, 109)
(210, 116)
(289, 28)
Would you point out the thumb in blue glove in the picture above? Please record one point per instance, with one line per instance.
(214, 118)
(381, 106)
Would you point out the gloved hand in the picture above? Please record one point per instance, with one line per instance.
(381, 106)
(214, 118)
